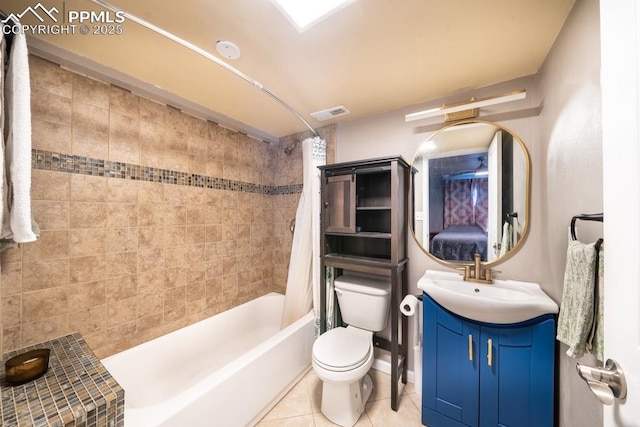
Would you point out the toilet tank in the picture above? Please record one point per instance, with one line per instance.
(364, 300)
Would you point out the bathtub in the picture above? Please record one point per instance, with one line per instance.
(227, 370)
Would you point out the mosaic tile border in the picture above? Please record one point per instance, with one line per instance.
(76, 391)
(69, 163)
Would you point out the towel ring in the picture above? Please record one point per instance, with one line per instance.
(584, 217)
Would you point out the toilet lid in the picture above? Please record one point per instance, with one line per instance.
(342, 349)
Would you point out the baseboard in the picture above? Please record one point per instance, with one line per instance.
(383, 365)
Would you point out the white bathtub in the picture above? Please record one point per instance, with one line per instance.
(227, 370)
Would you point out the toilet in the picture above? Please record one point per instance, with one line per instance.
(343, 356)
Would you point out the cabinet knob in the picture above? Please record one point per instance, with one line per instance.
(326, 204)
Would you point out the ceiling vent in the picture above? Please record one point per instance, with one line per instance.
(330, 113)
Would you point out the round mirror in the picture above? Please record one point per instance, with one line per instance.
(471, 193)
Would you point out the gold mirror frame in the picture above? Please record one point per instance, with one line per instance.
(527, 202)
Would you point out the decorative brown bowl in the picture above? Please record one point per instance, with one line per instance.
(27, 366)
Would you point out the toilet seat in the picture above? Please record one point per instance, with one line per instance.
(342, 349)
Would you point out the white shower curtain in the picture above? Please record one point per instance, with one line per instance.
(303, 281)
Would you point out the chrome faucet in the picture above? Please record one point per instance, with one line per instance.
(476, 273)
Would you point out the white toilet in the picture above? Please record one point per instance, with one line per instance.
(343, 356)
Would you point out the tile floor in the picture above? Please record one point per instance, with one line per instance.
(301, 406)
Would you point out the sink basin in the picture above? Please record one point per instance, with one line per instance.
(504, 301)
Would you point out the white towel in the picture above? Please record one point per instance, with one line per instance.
(575, 320)
(507, 238)
(18, 144)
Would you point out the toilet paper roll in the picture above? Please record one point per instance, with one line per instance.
(408, 305)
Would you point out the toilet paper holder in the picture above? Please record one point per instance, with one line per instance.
(606, 383)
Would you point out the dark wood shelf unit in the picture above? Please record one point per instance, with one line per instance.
(364, 228)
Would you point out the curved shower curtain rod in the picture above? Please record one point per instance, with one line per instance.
(209, 56)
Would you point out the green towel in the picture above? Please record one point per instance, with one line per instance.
(575, 320)
(598, 335)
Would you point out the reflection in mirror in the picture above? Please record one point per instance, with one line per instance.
(470, 193)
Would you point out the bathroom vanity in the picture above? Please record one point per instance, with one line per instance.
(495, 369)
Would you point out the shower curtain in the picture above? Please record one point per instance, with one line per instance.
(303, 281)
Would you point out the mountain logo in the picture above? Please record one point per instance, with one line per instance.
(38, 11)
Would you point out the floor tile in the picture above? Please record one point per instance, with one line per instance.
(301, 406)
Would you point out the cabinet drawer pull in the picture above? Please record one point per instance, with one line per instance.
(489, 351)
(470, 347)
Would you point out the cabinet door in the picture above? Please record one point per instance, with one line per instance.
(450, 372)
(339, 204)
(517, 375)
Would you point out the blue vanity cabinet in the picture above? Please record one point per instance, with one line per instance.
(480, 374)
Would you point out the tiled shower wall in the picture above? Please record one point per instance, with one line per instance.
(151, 219)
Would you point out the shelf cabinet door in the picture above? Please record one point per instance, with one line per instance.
(450, 374)
(339, 204)
(516, 389)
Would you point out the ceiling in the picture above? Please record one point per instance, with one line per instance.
(372, 56)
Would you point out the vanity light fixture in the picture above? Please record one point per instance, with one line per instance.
(465, 109)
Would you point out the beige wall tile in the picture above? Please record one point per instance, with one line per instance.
(40, 275)
(175, 215)
(49, 77)
(121, 240)
(124, 287)
(51, 215)
(50, 108)
(149, 260)
(175, 236)
(39, 305)
(122, 215)
(90, 130)
(152, 111)
(41, 330)
(87, 295)
(90, 91)
(122, 311)
(150, 237)
(12, 338)
(175, 304)
(176, 256)
(89, 241)
(50, 245)
(87, 268)
(85, 188)
(150, 193)
(49, 136)
(121, 264)
(176, 277)
(124, 102)
(151, 215)
(87, 215)
(11, 283)
(90, 322)
(124, 138)
(122, 191)
(151, 304)
(12, 311)
(48, 185)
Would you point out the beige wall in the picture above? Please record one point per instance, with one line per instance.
(125, 260)
(560, 122)
(571, 131)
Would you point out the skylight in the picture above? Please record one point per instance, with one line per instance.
(304, 13)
